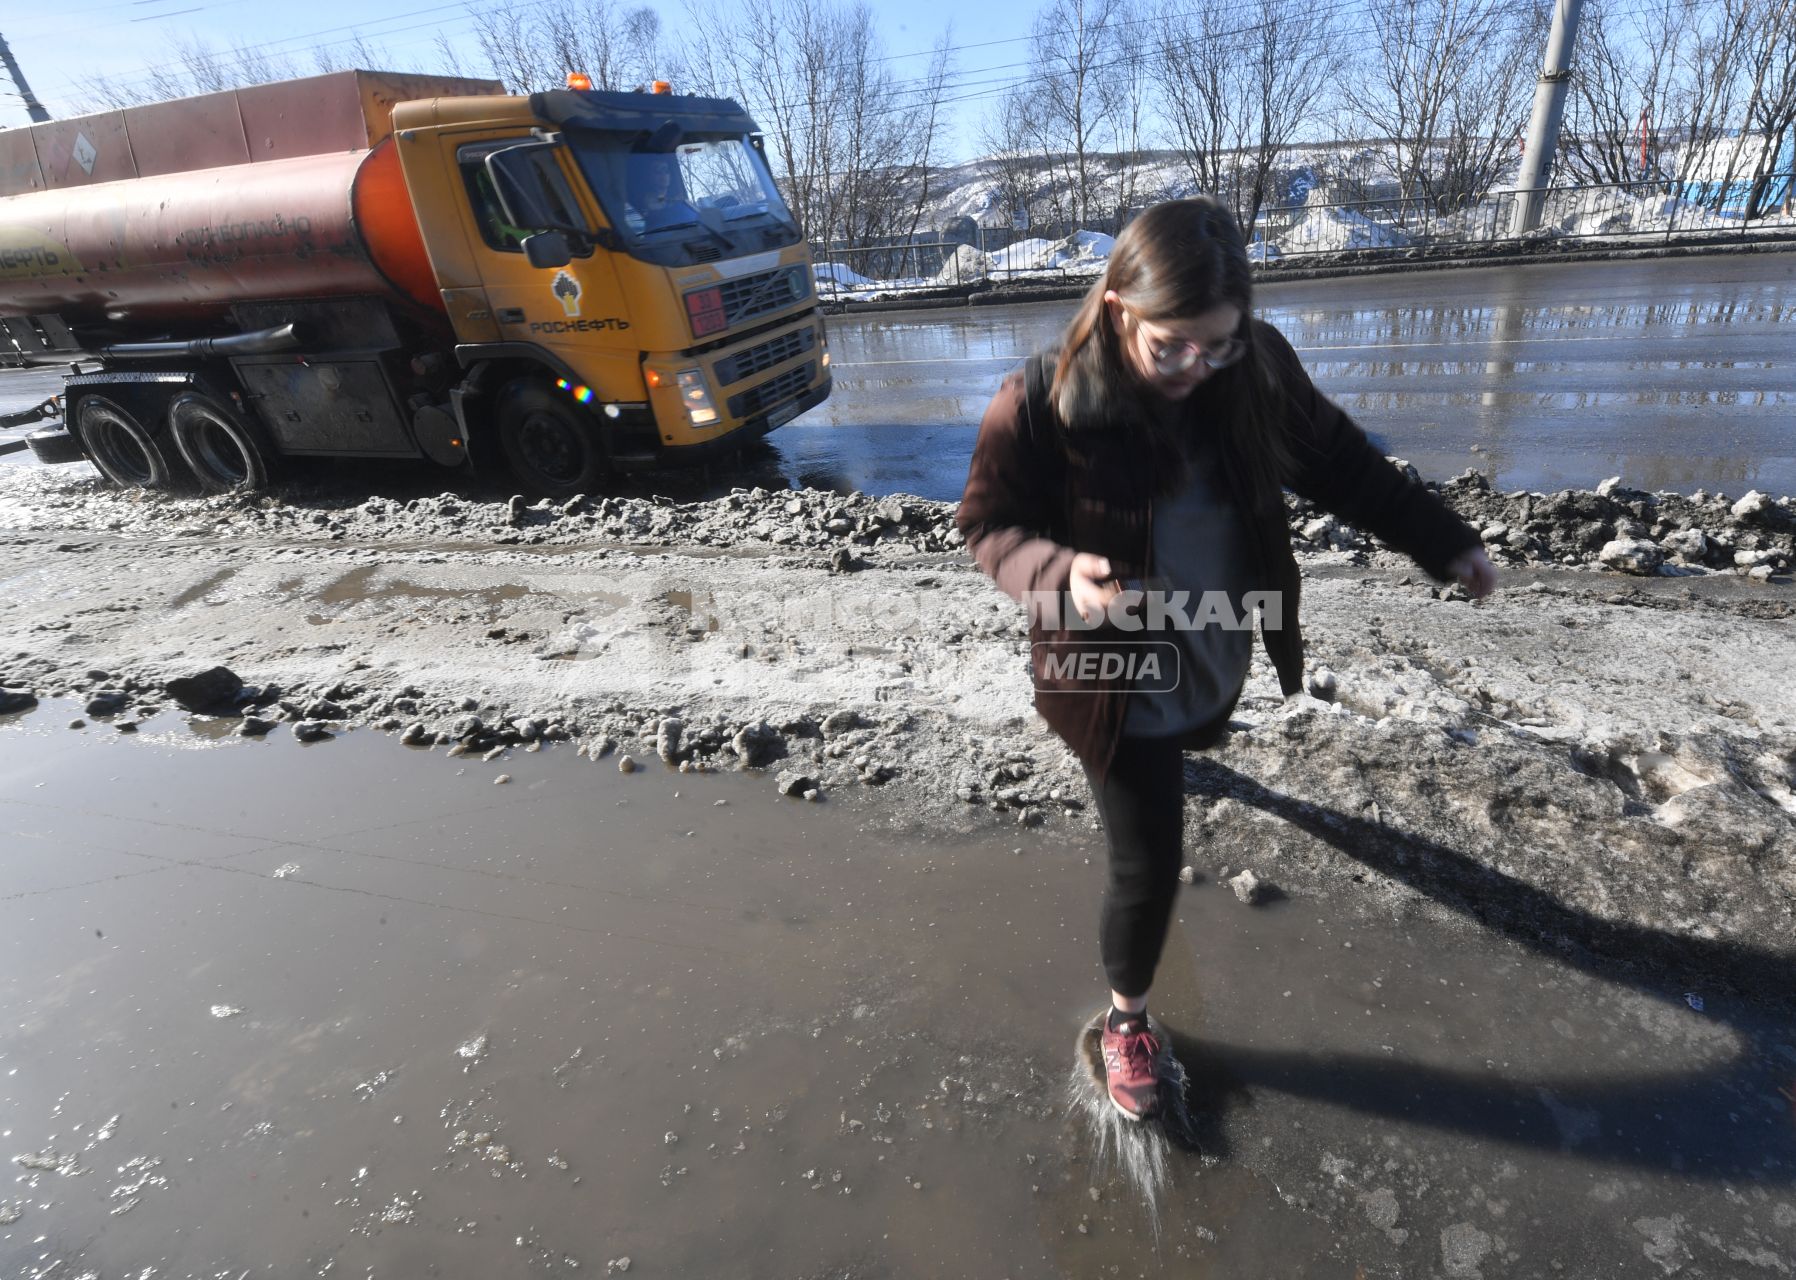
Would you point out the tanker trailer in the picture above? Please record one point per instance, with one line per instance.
(378, 266)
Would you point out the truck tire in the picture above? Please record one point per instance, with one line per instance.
(53, 446)
(553, 449)
(224, 453)
(124, 451)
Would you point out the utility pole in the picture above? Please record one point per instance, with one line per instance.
(33, 107)
(1543, 128)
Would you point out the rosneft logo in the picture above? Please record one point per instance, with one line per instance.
(24, 254)
(566, 289)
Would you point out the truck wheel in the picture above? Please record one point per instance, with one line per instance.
(225, 454)
(124, 452)
(552, 447)
(54, 445)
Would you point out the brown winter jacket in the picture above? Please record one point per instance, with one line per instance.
(1030, 506)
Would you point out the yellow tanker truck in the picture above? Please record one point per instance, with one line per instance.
(359, 264)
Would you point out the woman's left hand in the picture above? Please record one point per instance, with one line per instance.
(1475, 572)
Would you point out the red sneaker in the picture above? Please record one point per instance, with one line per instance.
(1131, 1067)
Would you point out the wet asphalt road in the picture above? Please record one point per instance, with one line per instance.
(351, 1009)
(1676, 374)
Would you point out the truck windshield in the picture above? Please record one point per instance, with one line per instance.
(709, 188)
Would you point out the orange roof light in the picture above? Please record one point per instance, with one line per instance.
(661, 86)
(578, 80)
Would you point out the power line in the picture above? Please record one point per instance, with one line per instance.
(998, 87)
(362, 34)
(532, 5)
(969, 90)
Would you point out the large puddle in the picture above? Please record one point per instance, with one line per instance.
(1672, 374)
(355, 1009)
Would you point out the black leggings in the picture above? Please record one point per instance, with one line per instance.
(1142, 806)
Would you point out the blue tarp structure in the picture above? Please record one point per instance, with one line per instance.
(1776, 188)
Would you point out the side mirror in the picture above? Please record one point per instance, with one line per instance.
(518, 184)
(547, 249)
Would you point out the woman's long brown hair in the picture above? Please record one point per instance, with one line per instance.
(1177, 260)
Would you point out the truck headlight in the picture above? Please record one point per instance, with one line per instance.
(696, 397)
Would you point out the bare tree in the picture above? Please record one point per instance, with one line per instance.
(1486, 111)
(1240, 85)
(1772, 114)
(1073, 87)
(532, 46)
(506, 34)
(780, 60)
(1202, 79)
(851, 143)
(448, 56)
(1431, 66)
(192, 65)
(642, 36)
(1622, 87)
(353, 54)
(1129, 108)
(1710, 70)
(1008, 139)
(1298, 59)
(923, 127)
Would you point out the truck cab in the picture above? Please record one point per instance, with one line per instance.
(634, 248)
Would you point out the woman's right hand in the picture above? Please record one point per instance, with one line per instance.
(1093, 585)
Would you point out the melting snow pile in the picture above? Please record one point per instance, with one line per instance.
(841, 276)
(963, 266)
(1082, 251)
(1618, 213)
(1326, 228)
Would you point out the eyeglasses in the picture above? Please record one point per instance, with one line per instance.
(1176, 357)
(1173, 358)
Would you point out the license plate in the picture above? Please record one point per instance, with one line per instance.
(782, 415)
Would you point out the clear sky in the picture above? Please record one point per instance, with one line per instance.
(58, 45)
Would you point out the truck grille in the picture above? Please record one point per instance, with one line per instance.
(748, 296)
(755, 400)
(744, 364)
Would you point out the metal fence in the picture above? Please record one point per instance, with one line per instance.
(1053, 249)
(1610, 211)
(1642, 212)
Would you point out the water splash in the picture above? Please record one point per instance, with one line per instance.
(374, 1084)
(225, 1010)
(102, 1134)
(139, 1174)
(472, 1051)
(1137, 1151)
(49, 1160)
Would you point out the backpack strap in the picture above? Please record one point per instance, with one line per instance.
(1035, 398)
(1046, 431)
(1047, 441)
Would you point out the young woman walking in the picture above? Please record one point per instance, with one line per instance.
(1134, 472)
